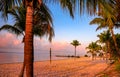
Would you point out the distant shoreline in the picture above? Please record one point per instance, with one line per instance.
(69, 56)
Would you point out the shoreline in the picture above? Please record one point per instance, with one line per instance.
(41, 61)
(36, 61)
(63, 58)
(79, 67)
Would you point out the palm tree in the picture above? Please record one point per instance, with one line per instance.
(31, 6)
(50, 55)
(93, 7)
(92, 53)
(105, 38)
(93, 48)
(115, 54)
(75, 43)
(41, 27)
(100, 7)
(116, 4)
(107, 20)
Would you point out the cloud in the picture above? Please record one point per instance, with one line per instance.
(59, 45)
(9, 40)
(64, 47)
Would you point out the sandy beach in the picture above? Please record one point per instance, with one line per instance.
(80, 67)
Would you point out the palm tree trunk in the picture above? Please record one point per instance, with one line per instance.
(22, 71)
(115, 43)
(23, 67)
(75, 51)
(92, 56)
(50, 56)
(109, 49)
(28, 49)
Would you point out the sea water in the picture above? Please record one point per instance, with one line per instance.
(13, 57)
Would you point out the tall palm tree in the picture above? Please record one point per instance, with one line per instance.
(75, 43)
(31, 6)
(42, 23)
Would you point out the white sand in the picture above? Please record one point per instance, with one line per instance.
(81, 67)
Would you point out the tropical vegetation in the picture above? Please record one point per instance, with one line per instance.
(93, 49)
(104, 39)
(109, 19)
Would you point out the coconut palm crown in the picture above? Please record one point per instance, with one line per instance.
(42, 22)
(75, 43)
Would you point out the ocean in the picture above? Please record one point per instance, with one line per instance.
(13, 57)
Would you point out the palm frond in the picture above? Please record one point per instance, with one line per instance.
(101, 26)
(11, 29)
(75, 43)
(5, 5)
(43, 23)
(117, 25)
(96, 21)
(42, 15)
(69, 5)
(48, 14)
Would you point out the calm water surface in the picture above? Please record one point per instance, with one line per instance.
(12, 57)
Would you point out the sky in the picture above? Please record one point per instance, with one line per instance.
(66, 30)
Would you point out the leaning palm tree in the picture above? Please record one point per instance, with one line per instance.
(42, 24)
(75, 43)
(105, 8)
(107, 20)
